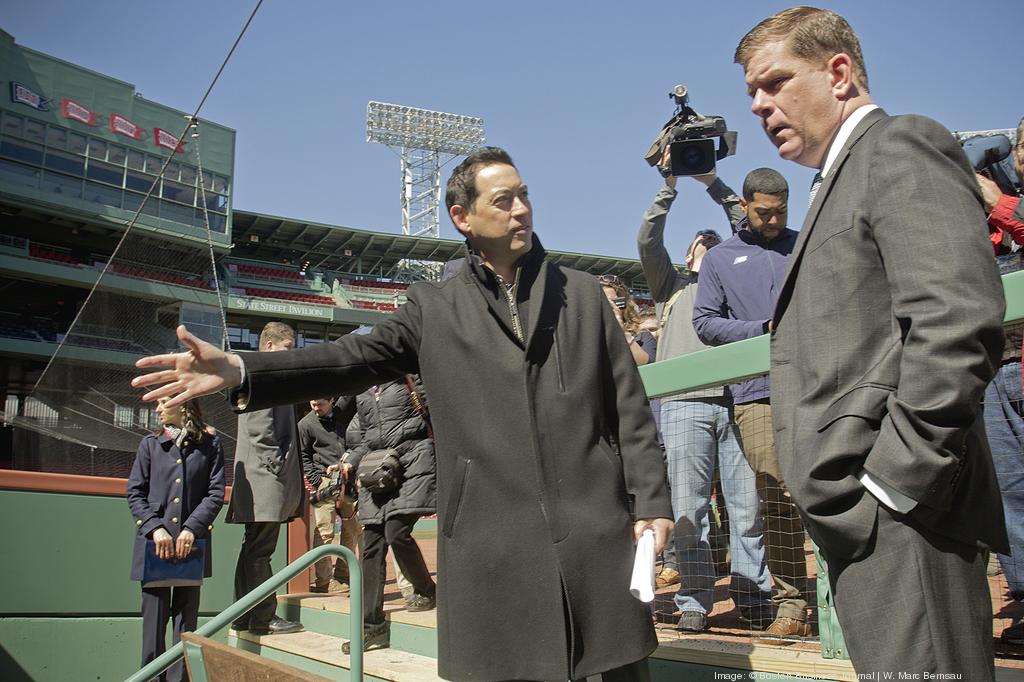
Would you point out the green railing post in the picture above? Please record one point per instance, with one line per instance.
(243, 605)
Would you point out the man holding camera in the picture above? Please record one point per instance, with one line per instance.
(321, 444)
(700, 433)
(1005, 211)
(888, 327)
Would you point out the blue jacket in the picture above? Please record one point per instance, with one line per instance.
(740, 281)
(175, 489)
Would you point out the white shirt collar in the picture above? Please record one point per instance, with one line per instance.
(844, 133)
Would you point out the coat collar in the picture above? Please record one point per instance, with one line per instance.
(532, 284)
(819, 200)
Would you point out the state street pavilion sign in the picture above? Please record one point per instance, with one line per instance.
(280, 308)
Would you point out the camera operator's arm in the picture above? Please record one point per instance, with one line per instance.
(723, 195)
(1005, 212)
(661, 275)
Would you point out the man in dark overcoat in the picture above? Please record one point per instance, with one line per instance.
(548, 464)
(267, 491)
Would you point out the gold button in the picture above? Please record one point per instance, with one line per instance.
(177, 500)
(184, 443)
(138, 522)
(178, 481)
(179, 461)
(207, 528)
(174, 519)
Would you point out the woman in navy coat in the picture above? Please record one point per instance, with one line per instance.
(175, 491)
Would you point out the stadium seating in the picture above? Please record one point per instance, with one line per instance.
(260, 272)
(296, 297)
(44, 253)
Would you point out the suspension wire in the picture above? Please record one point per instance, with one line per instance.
(145, 200)
(221, 303)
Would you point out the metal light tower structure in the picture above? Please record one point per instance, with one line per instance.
(421, 137)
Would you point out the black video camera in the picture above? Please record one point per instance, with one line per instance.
(990, 155)
(689, 136)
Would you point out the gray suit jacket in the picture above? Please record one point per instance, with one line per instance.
(268, 472)
(887, 330)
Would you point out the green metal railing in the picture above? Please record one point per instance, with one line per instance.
(270, 586)
(744, 359)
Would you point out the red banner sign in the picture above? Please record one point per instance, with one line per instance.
(69, 108)
(164, 139)
(122, 126)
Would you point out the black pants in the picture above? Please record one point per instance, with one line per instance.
(181, 604)
(253, 568)
(395, 532)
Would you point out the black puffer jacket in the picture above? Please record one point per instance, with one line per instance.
(386, 418)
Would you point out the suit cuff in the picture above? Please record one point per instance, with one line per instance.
(890, 497)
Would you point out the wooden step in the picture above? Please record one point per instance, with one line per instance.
(321, 653)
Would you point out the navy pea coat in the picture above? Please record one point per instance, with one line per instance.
(176, 489)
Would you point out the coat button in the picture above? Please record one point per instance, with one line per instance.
(207, 528)
(184, 443)
(177, 500)
(138, 522)
(174, 519)
(178, 481)
(178, 461)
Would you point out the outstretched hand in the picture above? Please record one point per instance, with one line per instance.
(198, 371)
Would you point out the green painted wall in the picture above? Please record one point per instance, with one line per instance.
(72, 649)
(74, 556)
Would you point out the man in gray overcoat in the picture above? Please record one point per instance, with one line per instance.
(267, 491)
(548, 464)
(888, 326)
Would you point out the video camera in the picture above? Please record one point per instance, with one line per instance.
(689, 136)
(990, 155)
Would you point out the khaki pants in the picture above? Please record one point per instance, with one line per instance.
(783, 530)
(323, 534)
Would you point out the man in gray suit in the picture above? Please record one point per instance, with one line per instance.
(886, 331)
(267, 491)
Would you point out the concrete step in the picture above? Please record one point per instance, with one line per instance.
(321, 654)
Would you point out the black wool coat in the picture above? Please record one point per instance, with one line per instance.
(536, 505)
(386, 418)
(177, 489)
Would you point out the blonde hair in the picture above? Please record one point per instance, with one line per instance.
(811, 34)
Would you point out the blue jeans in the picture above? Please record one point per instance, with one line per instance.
(697, 432)
(1005, 429)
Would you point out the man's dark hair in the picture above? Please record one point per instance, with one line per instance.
(765, 181)
(461, 189)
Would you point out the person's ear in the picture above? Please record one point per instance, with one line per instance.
(840, 71)
(460, 218)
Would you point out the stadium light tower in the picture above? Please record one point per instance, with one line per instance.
(421, 138)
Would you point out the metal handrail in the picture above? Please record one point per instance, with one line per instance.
(243, 605)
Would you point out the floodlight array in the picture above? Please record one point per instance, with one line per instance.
(400, 126)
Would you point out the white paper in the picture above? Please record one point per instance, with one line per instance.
(641, 584)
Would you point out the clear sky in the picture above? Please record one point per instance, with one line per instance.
(576, 91)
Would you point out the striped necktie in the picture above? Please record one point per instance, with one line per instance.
(814, 188)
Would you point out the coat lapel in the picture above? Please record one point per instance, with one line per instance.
(815, 209)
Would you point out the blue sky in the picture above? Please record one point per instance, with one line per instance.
(575, 91)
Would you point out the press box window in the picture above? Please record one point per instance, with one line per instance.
(56, 138)
(13, 125)
(19, 150)
(97, 149)
(105, 172)
(76, 143)
(36, 132)
(64, 162)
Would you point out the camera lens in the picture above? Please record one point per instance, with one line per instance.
(693, 157)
